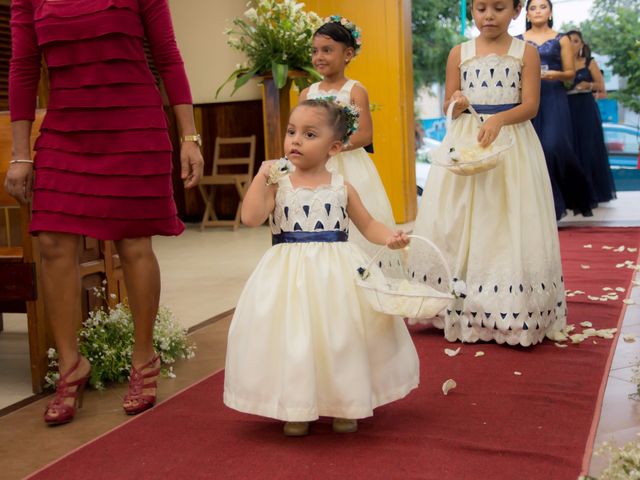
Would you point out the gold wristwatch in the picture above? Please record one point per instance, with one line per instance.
(192, 138)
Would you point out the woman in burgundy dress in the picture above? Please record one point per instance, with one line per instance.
(102, 163)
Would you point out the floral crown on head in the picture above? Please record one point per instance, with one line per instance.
(351, 112)
(350, 26)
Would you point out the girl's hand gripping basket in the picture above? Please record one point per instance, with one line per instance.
(463, 155)
(391, 290)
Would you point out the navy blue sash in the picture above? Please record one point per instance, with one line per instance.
(491, 109)
(306, 237)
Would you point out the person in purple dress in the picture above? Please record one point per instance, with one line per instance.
(572, 190)
(588, 137)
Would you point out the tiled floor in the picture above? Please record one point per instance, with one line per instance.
(203, 274)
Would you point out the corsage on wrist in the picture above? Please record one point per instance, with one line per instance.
(280, 169)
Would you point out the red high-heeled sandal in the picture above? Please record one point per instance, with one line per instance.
(59, 412)
(136, 398)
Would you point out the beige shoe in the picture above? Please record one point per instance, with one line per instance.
(296, 429)
(345, 425)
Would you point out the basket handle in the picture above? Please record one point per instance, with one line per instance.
(428, 242)
(450, 114)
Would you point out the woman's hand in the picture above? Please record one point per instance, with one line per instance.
(19, 182)
(398, 240)
(192, 164)
(462, 102)
(584, 86)
(489, 131)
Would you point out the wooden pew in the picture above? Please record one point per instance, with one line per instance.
(20, 267)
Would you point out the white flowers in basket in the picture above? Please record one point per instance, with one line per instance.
(464, 155)
(403, 297)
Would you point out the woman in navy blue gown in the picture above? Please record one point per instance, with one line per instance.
(588, 137)
(572, 189)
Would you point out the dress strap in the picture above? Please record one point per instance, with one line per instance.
(467, 50)
(517, 48)
(348, 86)
(313, 89)
(336, 179)
(285, 182)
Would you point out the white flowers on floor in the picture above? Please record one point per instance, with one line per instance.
(106, 340)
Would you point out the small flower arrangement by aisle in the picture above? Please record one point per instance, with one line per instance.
(106, 340)
(276, 37)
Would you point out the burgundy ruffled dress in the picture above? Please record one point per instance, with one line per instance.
(103, 157)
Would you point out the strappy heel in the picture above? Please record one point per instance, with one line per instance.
(136, 398)
(59, 412)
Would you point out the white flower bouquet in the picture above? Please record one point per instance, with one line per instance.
(276, 37)
(106, 340)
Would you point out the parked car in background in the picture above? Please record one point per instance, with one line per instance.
(622, 144)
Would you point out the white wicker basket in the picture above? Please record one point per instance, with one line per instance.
(403, 296)
(463, 155)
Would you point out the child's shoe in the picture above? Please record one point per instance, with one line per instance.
(345, 425)
(296, 429)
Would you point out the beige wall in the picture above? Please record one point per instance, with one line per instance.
(208, 59)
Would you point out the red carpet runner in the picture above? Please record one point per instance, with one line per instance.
(494, 425)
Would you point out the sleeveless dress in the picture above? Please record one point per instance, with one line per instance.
(303, 341)
(572, 190)
(357, 168)
(496, 229)
(103, 158)
(588, 137)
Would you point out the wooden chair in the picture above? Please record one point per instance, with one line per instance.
(18, 259)
(229, 176)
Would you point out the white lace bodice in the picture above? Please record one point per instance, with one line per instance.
(343, 95)
(310, 209)
(492, 79)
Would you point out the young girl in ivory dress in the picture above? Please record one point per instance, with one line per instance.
(335, 44)
(303, 342)
(497, 229)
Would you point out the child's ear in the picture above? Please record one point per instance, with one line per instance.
(349, 54)
(336, 148)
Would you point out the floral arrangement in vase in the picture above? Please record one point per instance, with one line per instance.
(276, 37)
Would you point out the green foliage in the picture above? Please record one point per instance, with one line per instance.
(276, 37)
(613, 31)
(435, 27)
(106, 340)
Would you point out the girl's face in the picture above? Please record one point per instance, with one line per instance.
(539, 12)
(329, 57)
(492, 17)
(576, 44)
(310, 140)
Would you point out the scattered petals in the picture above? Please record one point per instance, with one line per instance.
(629, 338)
(636, 283)
(607, 289)
(577, 338)
(557, 336)
(594, 342)
(607, 247)
(628, 301)
(621, 248)
(517, 373)
(620, 265)
(620, 289)
(589, 332)
(591, 297)
(586, 324)
(448, 385)
(561, 345)
(585, 267)
(570, 327)
(479, 353)
(579, 292)
(632, 249)
(587, 246)
(452, 353)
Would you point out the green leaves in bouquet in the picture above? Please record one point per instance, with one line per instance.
(276, 37)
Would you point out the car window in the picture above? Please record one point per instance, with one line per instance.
(621, 142)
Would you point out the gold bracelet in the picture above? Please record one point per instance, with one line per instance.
(20, 161)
